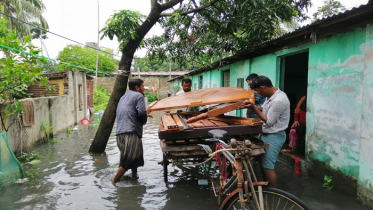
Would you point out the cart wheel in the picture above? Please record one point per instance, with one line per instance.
(165, 172)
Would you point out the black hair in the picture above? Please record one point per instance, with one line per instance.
(186, 80)
(132, 83)
(251, 76)
(261, 81)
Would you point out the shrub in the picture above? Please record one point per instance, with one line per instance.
(100, 98)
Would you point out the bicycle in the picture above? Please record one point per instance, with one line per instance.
(242, 190)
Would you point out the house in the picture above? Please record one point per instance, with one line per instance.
(54, 111)
(155, 81)
(61, 82)
(330, 60)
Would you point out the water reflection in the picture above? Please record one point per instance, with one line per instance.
(70, 178)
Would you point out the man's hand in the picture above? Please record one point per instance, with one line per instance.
(295, 124)
(247, 104)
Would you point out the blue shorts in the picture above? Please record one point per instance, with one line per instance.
(275, 141)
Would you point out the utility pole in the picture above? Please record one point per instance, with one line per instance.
(98, 38)
(41, 33)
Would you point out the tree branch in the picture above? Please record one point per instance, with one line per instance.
(193, 10)
(168, 5)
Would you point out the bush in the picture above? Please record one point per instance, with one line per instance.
(150, 97)
(100, 98)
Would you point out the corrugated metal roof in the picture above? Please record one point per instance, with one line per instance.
(326, 27)
(158, 73)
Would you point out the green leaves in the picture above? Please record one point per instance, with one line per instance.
(86, 58)
(123, 25)
(222, 29)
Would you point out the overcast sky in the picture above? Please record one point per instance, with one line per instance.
(78, 20)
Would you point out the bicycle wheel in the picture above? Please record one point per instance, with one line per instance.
(273, 199)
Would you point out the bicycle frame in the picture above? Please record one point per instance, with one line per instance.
(243, 178)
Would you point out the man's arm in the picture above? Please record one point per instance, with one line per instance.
(141, 110)
(274, 113)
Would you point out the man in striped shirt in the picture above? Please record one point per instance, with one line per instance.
(275, 112)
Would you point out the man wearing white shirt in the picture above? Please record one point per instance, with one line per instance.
(186, 85)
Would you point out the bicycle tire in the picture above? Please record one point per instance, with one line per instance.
(273, 199)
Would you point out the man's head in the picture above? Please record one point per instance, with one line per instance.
(250, 78)
(136, 85)
(186, 84)
(263, 86)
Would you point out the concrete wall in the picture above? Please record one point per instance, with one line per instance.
(57, 111)
(339, 113)
(159, 82)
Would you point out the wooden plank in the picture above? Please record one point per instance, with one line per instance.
(169, 123)
(161, 127)
(219, 123)
(178, 121)
(190, 125)
(199, 124)
(207, 123)
(216, 112)
(238, 120)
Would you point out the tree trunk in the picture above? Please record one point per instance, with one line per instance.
(107, 122)
(108, 118)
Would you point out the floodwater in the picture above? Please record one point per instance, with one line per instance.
(70, 178)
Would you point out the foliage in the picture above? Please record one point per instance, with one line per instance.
(49, 67)
(17, 70)
(47, 128)
(32, 175)
(328, 182)
(100, 98)
(28, 157)
(123, 25)
(86, 58)
(150, 97)
(25, 10)
(330, 7)
(222, 29)
(148, 64)
(37, 33)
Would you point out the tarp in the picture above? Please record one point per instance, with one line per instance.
(202, 97)
(10, 167)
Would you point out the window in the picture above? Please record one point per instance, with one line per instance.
(226, 78)
(240, 82)
(200, 82)
(80, 104)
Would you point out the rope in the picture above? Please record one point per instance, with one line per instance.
(221, 150)
(221, 161)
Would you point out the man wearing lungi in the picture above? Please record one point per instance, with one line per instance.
(275, 113)
(131, 116)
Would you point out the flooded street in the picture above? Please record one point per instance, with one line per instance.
(70, 178)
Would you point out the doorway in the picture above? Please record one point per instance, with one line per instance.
(294, 82)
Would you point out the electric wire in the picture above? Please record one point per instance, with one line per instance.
(50, 59)
(57, 34)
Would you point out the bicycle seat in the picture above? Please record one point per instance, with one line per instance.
(218, 133)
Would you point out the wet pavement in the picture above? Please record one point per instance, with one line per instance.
(70, 178)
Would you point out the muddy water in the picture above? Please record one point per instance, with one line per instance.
(70, 178)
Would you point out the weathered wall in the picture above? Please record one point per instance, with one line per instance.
(335, 100)
(57, 111)
(159, 82)
(365, 178)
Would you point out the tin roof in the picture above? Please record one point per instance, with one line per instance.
(323, 28)
(158, 73)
